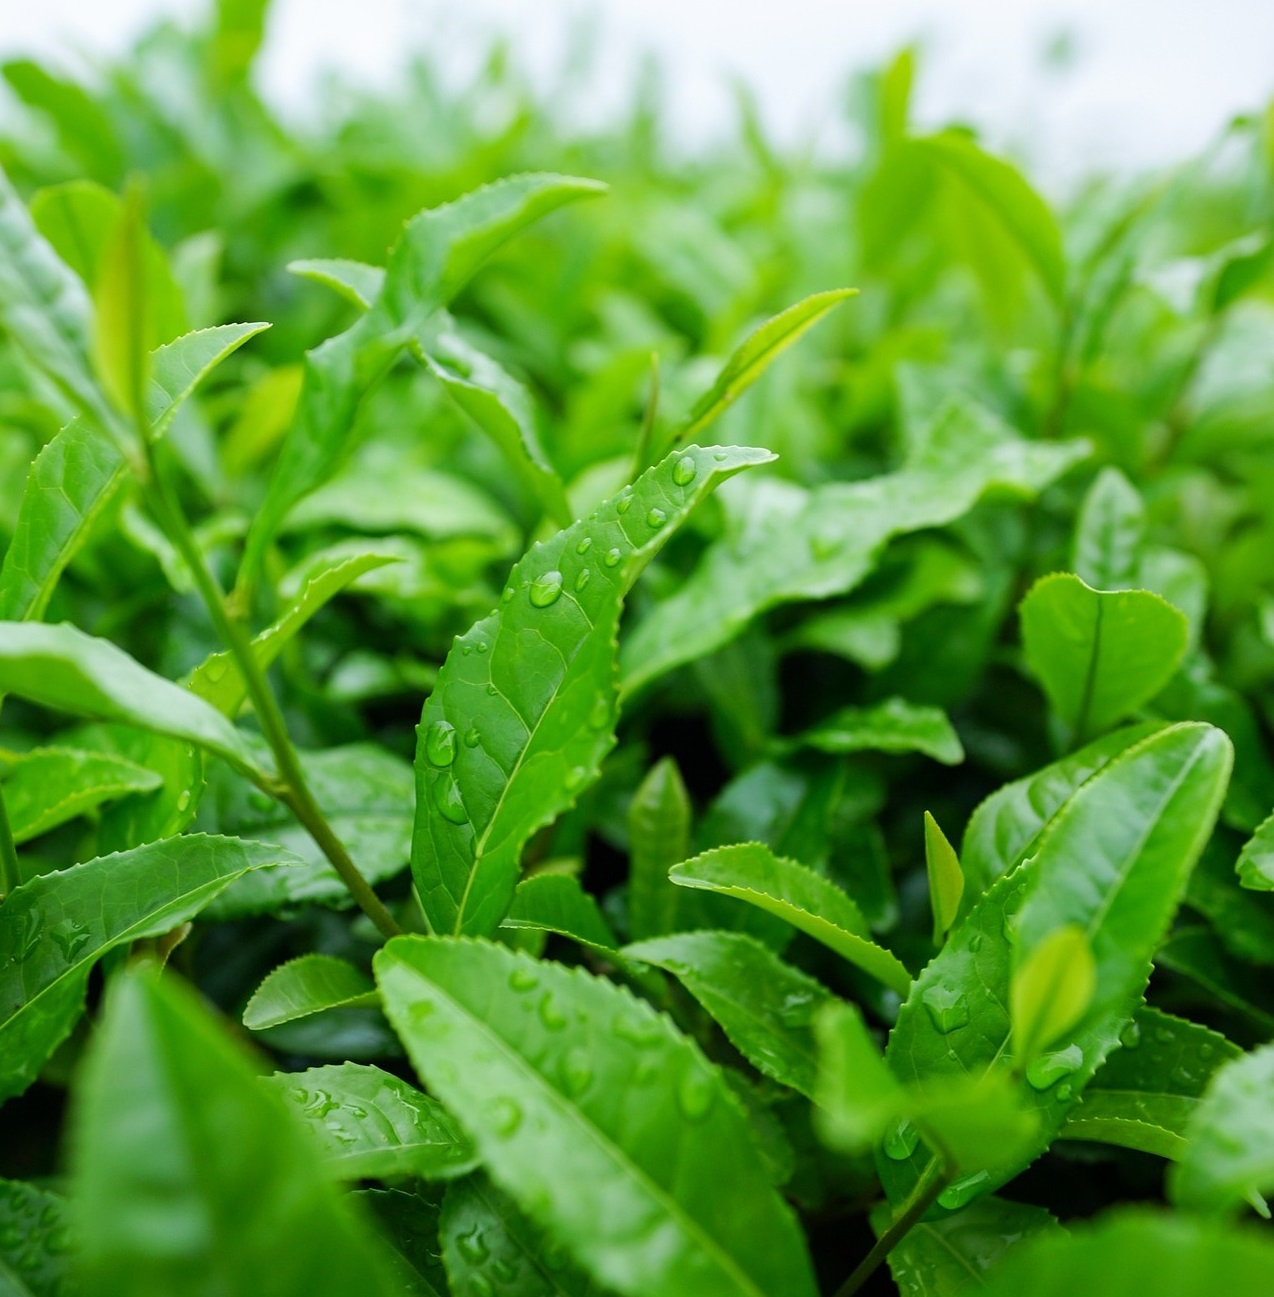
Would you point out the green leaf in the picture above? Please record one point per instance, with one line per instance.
(355, 281)
(557, 903)
(1113, 861)
(46, 787)
(1138, 1251)
(1109, 533)
(1229, 1155)
(858, 1098)
(34, 1237)
(1003, 197)
(946, 878)
(565, 1080)
(483, 1233)
(754, 355)
(46, 311)
(1145, 1093)
(498, 405)
(658, 838)
(959, 1253)
(409, 1225)
(1005, 828)
(58, 925)
(440, 249)
(1099, 655)
(69, 486)
(191, 1177)
(218, 678)
(370, 1125)
(795, 893)
(306, 985)
(786, 544)
(524, 708)
(83, 125)
(894, 725)
(178, 367)
(764, 1006)
(366, 794)
(1050, 989)
(237, 36)
(1255, 865)
(61, 667)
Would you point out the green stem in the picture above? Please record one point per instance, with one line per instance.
(923, 1196)
(9, 875)
(291, 787)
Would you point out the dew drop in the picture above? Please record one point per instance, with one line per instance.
(546, 589)
(440, 744)
(446, 798)
(948, 1009)
(641, 1031)
(471, 737)
(963, 1190)
(70, 937)
(1164, 1036)
(583, 578)
(611, 558)
(1130, 1037)
(183, 801)
(320, 1104)
(49, 1216)
(975, 942)
(503, 1269)
(1048, 1069)
(599, 717)
(694, 1094)
(574, 777)
(550, 1014)
(624, 502)
(29, 937)
(577, 1073)
(524, 979)
(472, 1246)
(508, 594)
(1206, 1050)
(721, 457)
(901, 1142)
(585, 545)
(482, 646)
(466, 649)
(656, 518)
(684, 470)
(1065, 1092)
(506, 1117)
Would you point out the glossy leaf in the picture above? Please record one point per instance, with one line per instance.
(1255, 864)
(356, 281)
(35, 1242)
(894, 725)
(484, 1234)
(1050, 990)
(190, 1176)
(1099, 655)
(408, 1223)
(786, 544)
(439, 251)
(946, 878)
(755, 354)
(1229, 1154)
(179, 366)
(658, 838)
(764, 1006)
(306, 985)
(557, 903)
(126, 328)
(370, 1125)
(524, 707)
(1109, 533)
(1144, 1095)
(58, 925)
(1113, 862)
(563, 1079)
(858, 1097)
(794, 893)
(48, 786)
(61, 667)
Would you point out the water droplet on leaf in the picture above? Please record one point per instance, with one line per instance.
(684, 470)
(583, 578)
(1130, 1037)
(585, 545)
(472, 1246)
(611, 558)
(624, 501)
(656, 518)
(694, 1094)
(550, 1015)
(546, 589)
(70, 937)
(472, 738)
(506, 1117)
(901, 1142)
(948, 1008)
(963, 1190)
(1048, 1069)
(447, 800)
(440, 744)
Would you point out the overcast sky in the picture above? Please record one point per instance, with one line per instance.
(1151, 79)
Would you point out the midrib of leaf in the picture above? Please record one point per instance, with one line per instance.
(480, 846)
(607, 1146)
(1090, 680)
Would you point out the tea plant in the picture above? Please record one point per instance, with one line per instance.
(516, 783)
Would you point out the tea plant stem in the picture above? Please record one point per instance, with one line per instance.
(936, 1178)
(291, 787)
(9, 875)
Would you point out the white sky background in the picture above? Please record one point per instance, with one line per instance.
(1153, 80)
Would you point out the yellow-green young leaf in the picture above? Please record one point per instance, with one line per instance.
(371, 1125)
(238, 35)
(858, 1099)
(795, 893)
(191, 1177)
(306, 985)
(355, 281)
(946, 878)
(58, 925)
(658, 838)
(35, 1260)
(179, 366)
(1099, 654)
(1169, 1255)
(565, 1081)
(1050, 991)
(524, 707)
(754, 355)
(123, 334)
(557, 903)
(1229, 1155)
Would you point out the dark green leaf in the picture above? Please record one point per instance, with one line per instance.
(306, 985)
(894, 725)
(557, 903)
(658, 838)
(35, 1243)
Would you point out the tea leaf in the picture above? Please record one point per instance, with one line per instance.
(1050, 990)
(946, 878)
(178, 367)
(34, 1236)
(563, 1079)
(306, 985)
(557, 903)
(1109, 533)
(658, 838)
(894, 725)
(1255, 864)
(355, 281)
